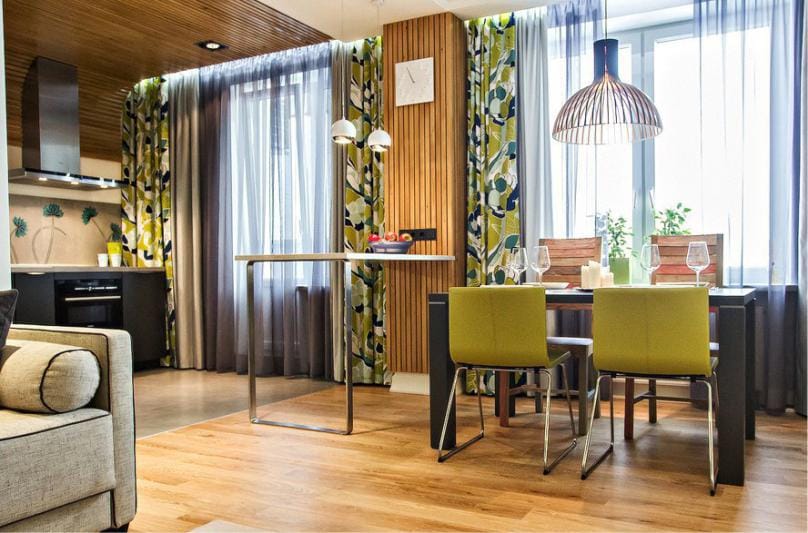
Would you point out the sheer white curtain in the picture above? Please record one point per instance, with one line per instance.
(280, 171)
(573, 27)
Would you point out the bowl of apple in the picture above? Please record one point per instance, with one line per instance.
(390, 243)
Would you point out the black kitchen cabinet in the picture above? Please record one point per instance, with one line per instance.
(131, 298)
(36, 302)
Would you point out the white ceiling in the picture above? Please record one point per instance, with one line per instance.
(360, 15)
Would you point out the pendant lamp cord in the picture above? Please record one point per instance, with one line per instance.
(606, 19)
(342, 55)
(379, 103)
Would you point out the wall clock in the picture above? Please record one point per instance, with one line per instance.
(415, 81)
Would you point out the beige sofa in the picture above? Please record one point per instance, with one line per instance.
(72, 471)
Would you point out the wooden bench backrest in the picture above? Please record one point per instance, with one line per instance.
(673, 254)
(568, 255)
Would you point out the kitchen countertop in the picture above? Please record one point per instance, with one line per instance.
(34, 268)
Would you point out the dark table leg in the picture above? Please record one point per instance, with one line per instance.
(751, 404)
(441, 372)
(628, 417)
(733, 338)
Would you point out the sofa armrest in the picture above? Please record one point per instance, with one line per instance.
(115, 394)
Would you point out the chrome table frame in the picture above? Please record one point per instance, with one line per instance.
(341, 285)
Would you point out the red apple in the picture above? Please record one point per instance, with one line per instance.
(391, 236)
(374, 238)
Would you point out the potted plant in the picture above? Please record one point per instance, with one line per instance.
(671, 221)
(619, 262)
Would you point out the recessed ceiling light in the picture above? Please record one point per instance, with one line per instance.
(211, 46)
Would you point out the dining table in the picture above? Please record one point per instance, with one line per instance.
(736, 369)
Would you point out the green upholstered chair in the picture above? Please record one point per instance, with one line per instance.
(653, 333)
(502, 328)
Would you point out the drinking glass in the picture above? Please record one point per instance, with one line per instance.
(540, 261)
(698, 257)
(518, 263)
(649, 259)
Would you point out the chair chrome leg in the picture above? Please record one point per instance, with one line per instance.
(715, 391)
(584, 471)
(549, 468)
(441, 456)
(710, 424)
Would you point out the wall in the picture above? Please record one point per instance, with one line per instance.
(424, 178)
(5, 267)
(70, 240)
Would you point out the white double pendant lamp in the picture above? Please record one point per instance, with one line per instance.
(343, 131)
(608, 111)
(379, 140)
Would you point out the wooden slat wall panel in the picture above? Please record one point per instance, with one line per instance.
(424, 178)
(114, 44)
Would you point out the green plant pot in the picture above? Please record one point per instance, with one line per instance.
(621, 268)
(114, 248)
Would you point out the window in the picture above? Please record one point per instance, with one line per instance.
(710, 157)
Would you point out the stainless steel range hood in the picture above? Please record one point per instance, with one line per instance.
(50, 130)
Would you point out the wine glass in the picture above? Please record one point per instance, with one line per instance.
(649, 259)
(698, 257)
(540, 261)
(518, 263)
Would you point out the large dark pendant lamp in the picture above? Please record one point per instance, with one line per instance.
(608, 111)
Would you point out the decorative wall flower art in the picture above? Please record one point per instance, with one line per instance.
(53, 212)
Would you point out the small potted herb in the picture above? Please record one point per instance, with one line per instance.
(619, 262)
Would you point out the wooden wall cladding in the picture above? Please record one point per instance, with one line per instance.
(424, 178)
(114, 44)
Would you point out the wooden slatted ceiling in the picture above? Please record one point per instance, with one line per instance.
(115, 43)
(424, 178)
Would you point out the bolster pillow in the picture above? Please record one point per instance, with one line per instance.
(42, 377)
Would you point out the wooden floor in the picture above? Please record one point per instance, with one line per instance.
(384, 477)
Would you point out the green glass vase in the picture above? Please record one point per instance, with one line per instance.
(621, 268)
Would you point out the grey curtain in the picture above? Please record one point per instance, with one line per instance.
(777, 365)
(269, 189)
(217, 253)
(187, 222)
(533, 127)
(802, 274)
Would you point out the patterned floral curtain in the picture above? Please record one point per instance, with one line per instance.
(364, 214)
(493, 188)
(492, 215)
(146, 198)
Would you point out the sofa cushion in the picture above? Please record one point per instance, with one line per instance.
(52, 460)
(41, 377)
(8, 301)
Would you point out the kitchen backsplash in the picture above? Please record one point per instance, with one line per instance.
(49, 230)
